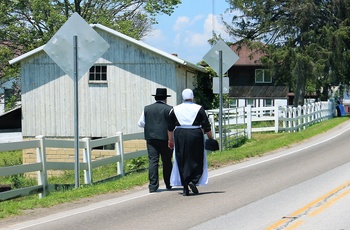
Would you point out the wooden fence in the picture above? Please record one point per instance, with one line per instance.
(42, 166)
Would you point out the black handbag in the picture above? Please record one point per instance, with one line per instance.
(211, 144)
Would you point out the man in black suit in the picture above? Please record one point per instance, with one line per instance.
(154, 119)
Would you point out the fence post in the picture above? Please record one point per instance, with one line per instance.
(249, 121)
(276, 118)
(87, 159)
(330, 109)
(284, 115)
(42, 174)
(299, 121)
(324, 114)
(309, 114)
(304, 115)
(315, 113)
(212, 122)
(290, 116)
(294, 116)
(120, 151)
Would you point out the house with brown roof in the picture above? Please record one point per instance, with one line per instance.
(250, 83)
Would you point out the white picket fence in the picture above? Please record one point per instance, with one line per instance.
(286, 119)
(239, 121)
(42, 166)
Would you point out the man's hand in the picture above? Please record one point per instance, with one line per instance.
(171, 144)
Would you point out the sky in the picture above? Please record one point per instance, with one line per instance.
(187, 31)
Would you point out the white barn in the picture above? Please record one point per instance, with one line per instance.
(112, 94)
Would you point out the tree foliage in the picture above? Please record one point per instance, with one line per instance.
(306, 41)
(28, 24)
(33, 22)
(203, 88)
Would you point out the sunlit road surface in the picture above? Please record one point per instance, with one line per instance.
(306, 186)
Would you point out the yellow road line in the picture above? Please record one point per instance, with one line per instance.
(295, 215)
(275, 225)
(295, 225)
(329, 203)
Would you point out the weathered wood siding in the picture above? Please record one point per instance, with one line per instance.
(133, 74)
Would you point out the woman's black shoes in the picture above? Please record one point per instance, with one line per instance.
(193, 187)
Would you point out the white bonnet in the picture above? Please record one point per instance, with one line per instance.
(187, 94)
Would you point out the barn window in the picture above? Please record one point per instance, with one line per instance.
(98, 73)
(262, 76)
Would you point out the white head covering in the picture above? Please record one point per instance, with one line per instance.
(187, 94)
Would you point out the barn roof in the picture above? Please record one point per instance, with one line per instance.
(127, 38)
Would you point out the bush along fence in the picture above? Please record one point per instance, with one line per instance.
(41, 166)
(237, 122)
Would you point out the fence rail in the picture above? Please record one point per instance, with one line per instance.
(237, 121)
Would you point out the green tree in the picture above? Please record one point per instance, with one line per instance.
(203, 88)
(28, 24)
(306, 41)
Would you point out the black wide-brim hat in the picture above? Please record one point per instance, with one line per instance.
(161, 92)
(211, 144)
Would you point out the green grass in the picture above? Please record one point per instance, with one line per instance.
(260, 144)
(12, 158)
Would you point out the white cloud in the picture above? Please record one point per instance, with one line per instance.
(197, 18)
(181, 22)
(185, 22)
(194, 38)
(212, 24)
(177, 39)
(155, 36)
(197, 39)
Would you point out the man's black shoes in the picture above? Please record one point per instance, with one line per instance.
(186, 192)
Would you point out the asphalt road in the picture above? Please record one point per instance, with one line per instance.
(306, 186)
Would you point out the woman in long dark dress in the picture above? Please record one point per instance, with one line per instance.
(188, 124)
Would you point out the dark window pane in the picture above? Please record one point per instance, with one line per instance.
(98, 76)
(98, 73)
